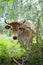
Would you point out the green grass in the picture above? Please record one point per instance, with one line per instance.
(9, 47)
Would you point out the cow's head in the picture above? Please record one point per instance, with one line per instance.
(21, 27)
(16, 27)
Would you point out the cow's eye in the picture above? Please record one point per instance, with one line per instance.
(7, 27)
(21, 29)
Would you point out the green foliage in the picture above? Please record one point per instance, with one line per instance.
(9, 49)
(36, 55)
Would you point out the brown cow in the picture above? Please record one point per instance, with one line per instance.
(23, 30)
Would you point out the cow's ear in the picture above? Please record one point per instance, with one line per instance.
(22, 21)
(7, 27)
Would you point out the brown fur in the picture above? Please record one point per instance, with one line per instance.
(24, 30)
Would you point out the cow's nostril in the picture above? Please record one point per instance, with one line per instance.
(14, 37)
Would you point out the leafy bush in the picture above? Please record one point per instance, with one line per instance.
(35, 56)
(9, 49)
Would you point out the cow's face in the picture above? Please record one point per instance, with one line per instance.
(16, 29)
(23, 28)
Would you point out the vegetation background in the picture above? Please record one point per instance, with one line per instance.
(13, 10)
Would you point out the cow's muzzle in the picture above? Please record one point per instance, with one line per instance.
(14, 37)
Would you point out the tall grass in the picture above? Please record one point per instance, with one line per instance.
(9, 49)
